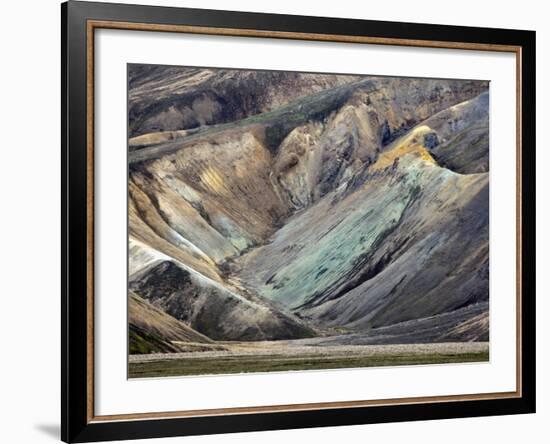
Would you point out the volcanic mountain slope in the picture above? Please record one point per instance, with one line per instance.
(217, 310)
(355, 205)
(411, 242)
(169, 98)
(152, 330)
(460, 137)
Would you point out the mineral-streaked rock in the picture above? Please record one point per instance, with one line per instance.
(344, 203)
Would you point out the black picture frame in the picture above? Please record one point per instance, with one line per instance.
(77, 425)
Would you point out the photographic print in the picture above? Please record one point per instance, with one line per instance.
(288, 221)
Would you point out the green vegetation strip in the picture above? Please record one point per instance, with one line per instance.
(256, 363)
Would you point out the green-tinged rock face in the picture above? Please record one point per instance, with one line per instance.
(341, 236)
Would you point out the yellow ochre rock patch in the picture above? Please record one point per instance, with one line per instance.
(412, 143)
(213, 180)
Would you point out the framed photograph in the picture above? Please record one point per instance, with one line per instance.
(275, 221)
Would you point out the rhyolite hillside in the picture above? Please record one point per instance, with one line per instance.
(272, 205)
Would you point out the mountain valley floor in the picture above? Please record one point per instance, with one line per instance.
(301, 354)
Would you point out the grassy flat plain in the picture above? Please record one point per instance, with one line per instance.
(295, 355)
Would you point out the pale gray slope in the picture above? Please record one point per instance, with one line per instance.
(460, 137)
(467, 324)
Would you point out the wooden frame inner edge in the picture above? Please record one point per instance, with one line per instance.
(94, 24)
